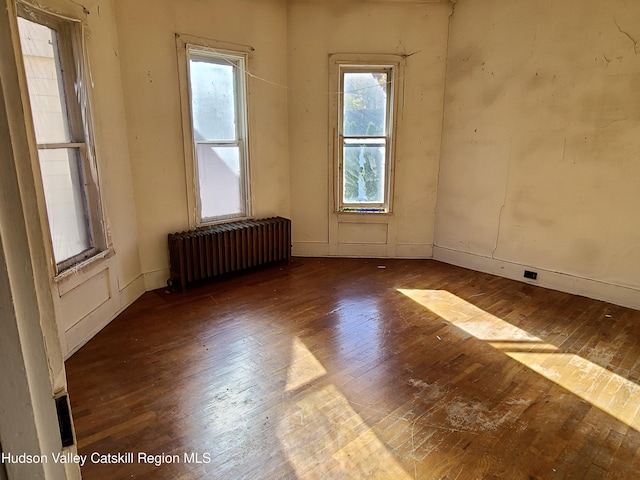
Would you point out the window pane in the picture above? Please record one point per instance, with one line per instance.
(364, 171)
(365, 103)
(66, 202)
(219, 173)
(44, 80)
(213, 104)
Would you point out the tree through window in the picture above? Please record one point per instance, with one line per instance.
(365, 120)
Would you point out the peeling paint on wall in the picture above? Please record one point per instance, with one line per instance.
(542, 103)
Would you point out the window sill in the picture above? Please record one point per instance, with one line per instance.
(80, 269)
(363, 210)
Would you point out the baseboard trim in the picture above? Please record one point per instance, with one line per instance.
(617, 294)
(310, 249)
(414, 250)
(132, 291)
(351, 250)
(156, 279)
(89, 326)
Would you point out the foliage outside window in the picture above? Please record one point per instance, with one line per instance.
(364, 129)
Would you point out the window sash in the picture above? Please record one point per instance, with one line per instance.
(220, 200)
(78, 243)
(365, 185)
(221, 183)
(361, 172)
(81, 235)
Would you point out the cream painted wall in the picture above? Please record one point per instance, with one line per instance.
(539, 163)
(146, 30)
(536, 167)
(88, 297)
(30, 354)
(318, 28)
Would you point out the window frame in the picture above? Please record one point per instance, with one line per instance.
(339, 65)
(193, 47)
(75, 75)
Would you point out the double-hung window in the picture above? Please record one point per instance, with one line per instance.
(52, 51)
(364, 144)
(217, 105)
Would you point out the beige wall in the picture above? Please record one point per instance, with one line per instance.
(146, 30)
(539, 163)
(88, 297)
(535, 168)
(30, 354)
(317, 29)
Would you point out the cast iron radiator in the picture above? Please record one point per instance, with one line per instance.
(229, 247)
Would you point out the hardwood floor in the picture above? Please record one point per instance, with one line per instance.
(352, 368)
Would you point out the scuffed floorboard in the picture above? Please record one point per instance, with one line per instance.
(336, 368)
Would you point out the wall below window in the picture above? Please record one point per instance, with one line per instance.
(148, 56)
(532, 167)
(318, 29)
(88, 297)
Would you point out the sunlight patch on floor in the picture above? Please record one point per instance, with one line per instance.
(602, 388)
(322, 435)
(304, 367)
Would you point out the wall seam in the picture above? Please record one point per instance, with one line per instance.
(452, 4)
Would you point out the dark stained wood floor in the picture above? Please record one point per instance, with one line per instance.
(339, 368)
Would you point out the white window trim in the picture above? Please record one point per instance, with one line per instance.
(183, 44)
(82, 117)
(345, 62)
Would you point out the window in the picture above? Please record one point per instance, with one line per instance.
(364, 147)
(217, 105)
(54, 67)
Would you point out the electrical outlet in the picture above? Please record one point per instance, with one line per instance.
(530, 275)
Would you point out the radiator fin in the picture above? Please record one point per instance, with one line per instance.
(208, 252)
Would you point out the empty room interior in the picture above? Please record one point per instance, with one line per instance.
(409, 239)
